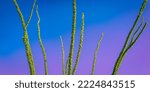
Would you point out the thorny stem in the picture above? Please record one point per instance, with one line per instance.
(80, 45)
(26, 41)
(95, 54)
(41, 43)
(72, 39)
(126, 45)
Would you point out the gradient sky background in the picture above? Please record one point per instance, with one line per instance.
(113, 17)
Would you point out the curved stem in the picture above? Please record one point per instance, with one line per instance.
(63, 55)
(95, 54)
(119, 59)
(41, 43)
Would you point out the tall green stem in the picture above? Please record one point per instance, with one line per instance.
(72, 39)
(41, 43)
(26, 39)
(80, 45)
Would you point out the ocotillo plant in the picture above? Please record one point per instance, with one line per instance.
(25, 36)
(95, 54)
(80, 45)
(63, 55)
(68, 69)
(131, 38)
(41, 43)
(70, 58)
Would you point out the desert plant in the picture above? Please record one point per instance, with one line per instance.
(41, 43)
(63, 55)
(70, 58)
(68, 69)
(80, 45)
(131, 38)
(25, 36)
(95, 54)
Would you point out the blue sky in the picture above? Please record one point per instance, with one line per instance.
(56, 13)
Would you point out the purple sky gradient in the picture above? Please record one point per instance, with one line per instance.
(136, 61)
